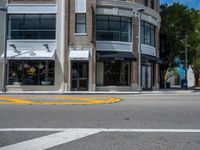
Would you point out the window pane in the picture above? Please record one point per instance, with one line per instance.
(152, 37)
(114, 26)
(114, 36)
(124, 37)
(80, 28)
(14, 72)
(80, 5)
(125, 19)
(103, 36)
(147, 36)
(17, 35)
(116, 73)
(114, 18)
(47, 24)
(30, 73)
(125, 27)
(31, 35)
(80, 18)
(48, 17)
(142, 35)
(47, 35)
(16, 21)
(102, 25)
(31, 22)
(99, 17)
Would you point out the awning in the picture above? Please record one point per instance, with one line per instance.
(29, 55)
(152, 59)
(79, 55)
(115, 55)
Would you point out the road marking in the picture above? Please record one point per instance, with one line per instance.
(66, 135)
(51, 140)
(59, 100)
(101, 130)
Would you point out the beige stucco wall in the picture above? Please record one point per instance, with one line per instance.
(59, 56)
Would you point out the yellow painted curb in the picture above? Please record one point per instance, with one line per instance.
(84, 100)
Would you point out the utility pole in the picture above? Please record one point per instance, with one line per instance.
(186, 60)
(139, 11)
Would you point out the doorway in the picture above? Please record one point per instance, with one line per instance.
(147, 77)
(79, 76)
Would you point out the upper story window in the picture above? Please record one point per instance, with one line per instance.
(145, 2)
(147, 34)
(80, 23)
(80, 10)
(31, 26)
(32, 1)
(152, 4)
(113, 28)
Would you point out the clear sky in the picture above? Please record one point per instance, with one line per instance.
(190, 3)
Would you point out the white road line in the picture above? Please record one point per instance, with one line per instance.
(66, 135)
(49, 141)
(99, 130)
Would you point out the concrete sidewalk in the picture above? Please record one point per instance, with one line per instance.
(161, 91)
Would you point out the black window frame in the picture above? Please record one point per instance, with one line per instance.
(28, 32)
(108, 19)
(152, 29)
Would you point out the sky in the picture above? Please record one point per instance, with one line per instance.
(190, 3)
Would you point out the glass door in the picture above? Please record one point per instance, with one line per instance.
(79, 76)
(146, 77)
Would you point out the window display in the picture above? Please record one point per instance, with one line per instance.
(31, 72)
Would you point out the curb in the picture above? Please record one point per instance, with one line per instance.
(98, 93)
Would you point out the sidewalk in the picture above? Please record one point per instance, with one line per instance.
(173, 90)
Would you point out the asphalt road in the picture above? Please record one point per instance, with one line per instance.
(175, 114)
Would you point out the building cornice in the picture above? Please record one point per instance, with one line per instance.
(129, 6)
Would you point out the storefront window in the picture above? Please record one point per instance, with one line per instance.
(113, 28)
(113, 73)
(31, 72)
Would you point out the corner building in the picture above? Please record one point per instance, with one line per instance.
(82, 45)
(103, 45)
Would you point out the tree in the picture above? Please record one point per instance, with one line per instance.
(178, 21)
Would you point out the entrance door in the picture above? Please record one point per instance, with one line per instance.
(146, 77)
(79, 76)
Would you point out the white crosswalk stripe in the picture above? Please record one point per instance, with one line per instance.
(49, 141)
(66, 135)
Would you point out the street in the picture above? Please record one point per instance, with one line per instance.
(144, 122)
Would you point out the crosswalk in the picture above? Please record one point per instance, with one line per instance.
(65, 135)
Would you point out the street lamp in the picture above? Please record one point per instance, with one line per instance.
(5, 50)
(139, 11)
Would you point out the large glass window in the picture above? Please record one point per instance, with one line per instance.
(113, 28)
(113, 73)
(147, 34)
(31, 26)
(31, 72)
